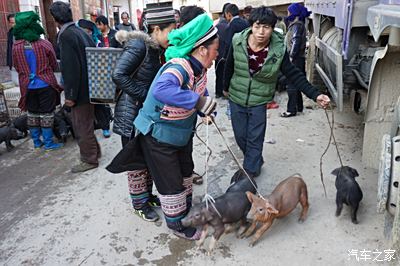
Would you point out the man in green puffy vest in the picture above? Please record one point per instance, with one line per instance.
(255, 58)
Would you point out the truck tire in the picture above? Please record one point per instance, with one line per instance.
(311, 72)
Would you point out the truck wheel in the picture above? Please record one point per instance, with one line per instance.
(312, 74)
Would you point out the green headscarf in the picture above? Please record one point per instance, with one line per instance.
(27, 26)
(182, 40)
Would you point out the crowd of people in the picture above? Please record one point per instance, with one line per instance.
(162, 79)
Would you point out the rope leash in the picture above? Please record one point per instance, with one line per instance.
(332, 136)
(207, 197)
(236, 159)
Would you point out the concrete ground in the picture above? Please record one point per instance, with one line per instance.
(49, 216)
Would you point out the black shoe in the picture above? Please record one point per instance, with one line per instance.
(288, 114)
(147, 214)
(154, 201)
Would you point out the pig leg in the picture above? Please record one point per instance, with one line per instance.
(339, 205)
(304, 205)
(259, 233)
(250, 230)
(242, 228)
(203, 236)
(9, 145)
(215, 237)
(229, 228)
(354, 210)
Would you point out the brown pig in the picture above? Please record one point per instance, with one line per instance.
(279, 203)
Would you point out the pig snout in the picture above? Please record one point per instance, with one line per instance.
(195, 217)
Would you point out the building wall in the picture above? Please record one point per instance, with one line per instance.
(28, 5)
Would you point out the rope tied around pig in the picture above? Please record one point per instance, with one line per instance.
(207, 197)
(332, 136)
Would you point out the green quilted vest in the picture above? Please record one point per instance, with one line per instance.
(250, 91)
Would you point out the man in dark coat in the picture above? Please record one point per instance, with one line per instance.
(222, 27)
(236, 24)
(10, 39)
(72, 42)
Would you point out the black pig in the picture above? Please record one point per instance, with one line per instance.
(348, 190)
(9, 133)
(230, 208)
(21, 123)
(63, 124)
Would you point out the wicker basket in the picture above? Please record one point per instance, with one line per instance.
(101, 63)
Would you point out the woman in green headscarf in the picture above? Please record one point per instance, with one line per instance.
(165, 123)
(35, 61)
(27, 26)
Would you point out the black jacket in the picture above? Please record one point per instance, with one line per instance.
(236, 25)
(111, 38)
(133, 75)
(222, 27)
(72, 42)
(10, 41)
(296, 38)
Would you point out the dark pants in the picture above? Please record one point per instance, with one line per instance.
(219, 77)
(41, 101)
(171, 168)
(249, 125)
(103, 116)
(83, 124)
(295, 102)
(168, 164)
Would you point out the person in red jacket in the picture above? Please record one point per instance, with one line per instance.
(35, 61)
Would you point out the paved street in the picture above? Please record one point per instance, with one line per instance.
(49, 216)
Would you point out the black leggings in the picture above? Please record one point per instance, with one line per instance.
(168, 164)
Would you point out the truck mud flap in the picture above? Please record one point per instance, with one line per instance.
(382, 98)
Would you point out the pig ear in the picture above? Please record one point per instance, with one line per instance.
(354, 172)
(336, 171)
(271, 209)
(250, 196)
(207, 214)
